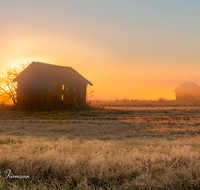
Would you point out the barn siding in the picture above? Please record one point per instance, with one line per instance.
(81, 93)
(31, 92)
(39, 90)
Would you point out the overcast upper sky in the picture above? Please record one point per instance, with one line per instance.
(140, 49)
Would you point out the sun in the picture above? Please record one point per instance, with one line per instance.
(16, 63)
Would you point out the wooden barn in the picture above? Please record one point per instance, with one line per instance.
(187, 90)
(49, 87)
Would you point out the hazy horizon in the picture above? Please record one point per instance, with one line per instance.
(127, 49)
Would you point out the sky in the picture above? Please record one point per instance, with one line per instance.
(134, 49)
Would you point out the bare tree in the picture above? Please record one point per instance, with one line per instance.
(8, 88)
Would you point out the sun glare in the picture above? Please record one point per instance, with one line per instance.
(15, 63)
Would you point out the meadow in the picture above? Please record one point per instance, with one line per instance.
(107, 146)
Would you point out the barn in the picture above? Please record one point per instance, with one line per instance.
(50, 87)
(187, 91)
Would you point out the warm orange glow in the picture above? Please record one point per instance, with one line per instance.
(6, 101)
(113, 77)
(134, 50)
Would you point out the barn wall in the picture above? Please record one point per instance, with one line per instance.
(185, 96)
(31, 90)
(81, 93)
(38, 90)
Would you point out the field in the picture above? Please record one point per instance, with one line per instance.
(111, 147)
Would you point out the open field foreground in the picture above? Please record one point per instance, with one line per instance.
(132, 148)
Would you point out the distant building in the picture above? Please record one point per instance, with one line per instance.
(50, 87)
(187, 90)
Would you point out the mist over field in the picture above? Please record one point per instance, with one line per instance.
(100, 94)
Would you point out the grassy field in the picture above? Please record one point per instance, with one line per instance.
(116, 148)
(142, 103)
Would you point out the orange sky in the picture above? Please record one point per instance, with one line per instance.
(126, 49)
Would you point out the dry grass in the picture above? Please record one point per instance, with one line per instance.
(95, 163)
(149, 148)
(143, 103)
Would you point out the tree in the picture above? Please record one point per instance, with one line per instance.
(8, 88)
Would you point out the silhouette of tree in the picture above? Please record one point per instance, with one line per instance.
(8, 88)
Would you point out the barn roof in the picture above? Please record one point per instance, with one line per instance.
(188, 86)
(62, 72)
